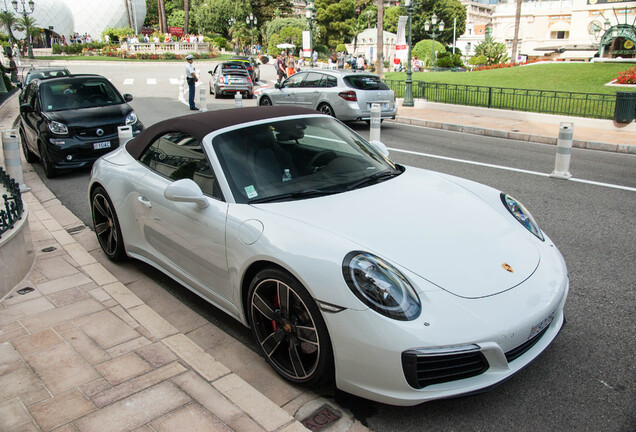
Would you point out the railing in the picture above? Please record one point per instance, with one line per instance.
(591, 105)
(175, 47)
(13, 206)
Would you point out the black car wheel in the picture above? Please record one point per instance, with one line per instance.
(265, 101)
(289, 328)
(326, 109)
(29, 156)
(49, 169)
(106, 225)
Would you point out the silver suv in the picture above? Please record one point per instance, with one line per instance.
(347, 95)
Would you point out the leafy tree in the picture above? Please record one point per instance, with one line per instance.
(479, 60)
(292, 35)
(8, 22)
(29, 26)
(423, 49)
(277, 25)
(495, 52)
(177, 19)
(272, 49)
(334, 20)
(448, 60)
(391, 18)
(445, 10)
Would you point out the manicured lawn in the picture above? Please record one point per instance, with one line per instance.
(570, 77)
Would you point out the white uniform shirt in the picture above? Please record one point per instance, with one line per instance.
(190, 70)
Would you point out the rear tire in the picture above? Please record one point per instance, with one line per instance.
(325, 108)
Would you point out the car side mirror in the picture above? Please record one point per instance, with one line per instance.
(185, 190)
(26, 108)
(277, 85)
(380, 147)
(210, 72)
(128, 97)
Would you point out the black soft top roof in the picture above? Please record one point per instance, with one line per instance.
(201, 124)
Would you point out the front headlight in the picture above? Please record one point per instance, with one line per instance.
(522, 215)
(131, 118)
(380, 286)
(58, 128)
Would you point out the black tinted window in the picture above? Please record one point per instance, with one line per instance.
(177, 156)
(75, 94)
(365, 82)
(313, 80)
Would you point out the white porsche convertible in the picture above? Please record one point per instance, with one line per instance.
(398, 284)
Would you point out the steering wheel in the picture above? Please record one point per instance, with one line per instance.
(324, 156)
(95, 98)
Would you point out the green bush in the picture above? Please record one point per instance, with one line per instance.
(422, 50)
(221, 42)
(341, 48)
(478, 60)
(449, 60)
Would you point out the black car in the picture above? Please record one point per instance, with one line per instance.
(69, 122)
(251, 64)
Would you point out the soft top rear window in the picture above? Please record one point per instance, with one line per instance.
(365, 82)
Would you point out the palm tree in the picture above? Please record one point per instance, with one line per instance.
(379, 62)
(29, 26)
(8, 21)
(186, 10)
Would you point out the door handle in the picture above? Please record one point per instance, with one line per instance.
(145, 201)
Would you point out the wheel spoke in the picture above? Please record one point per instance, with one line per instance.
(111, 240)
(101, 228)
(297, 363)
(98, 206)
(265, 308)
(271, 342)
(284, 299)
(307, 334)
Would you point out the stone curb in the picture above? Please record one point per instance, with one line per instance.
(497, 133)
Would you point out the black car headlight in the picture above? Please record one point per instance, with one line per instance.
(131, 118)
(522, 215)
(58, 128)
(380, 286)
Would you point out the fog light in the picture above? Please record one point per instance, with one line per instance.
(69, 158)
(57, 142)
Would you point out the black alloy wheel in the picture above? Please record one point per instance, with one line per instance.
(289, 328)
(265, 101)
(326, 109)
(49, 169)
(29, 156)
(106, 225)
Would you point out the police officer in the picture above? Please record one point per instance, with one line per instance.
(191, 78)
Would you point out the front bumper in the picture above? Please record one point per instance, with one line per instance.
(77, 152)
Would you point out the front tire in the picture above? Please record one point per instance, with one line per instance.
(49, 169)
(265, 101)
(29, 156)
(289, 329)
(106, 225)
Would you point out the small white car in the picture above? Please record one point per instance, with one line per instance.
(345, 94)
(398, 284)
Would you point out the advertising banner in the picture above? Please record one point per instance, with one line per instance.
(400, 45)
(306, 51)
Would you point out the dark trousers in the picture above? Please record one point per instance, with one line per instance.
(191, 91)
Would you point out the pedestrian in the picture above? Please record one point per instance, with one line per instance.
(360, 63)
(16, 53)
(280, 67)
(13, 68)
(291, 65)
(341, 60)
(191, 78)
(314, 57)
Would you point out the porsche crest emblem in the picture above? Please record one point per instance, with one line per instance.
(508, 268)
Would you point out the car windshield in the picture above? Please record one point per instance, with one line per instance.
(365, 82)
(296, 159)
(72, 93)
(45, 74)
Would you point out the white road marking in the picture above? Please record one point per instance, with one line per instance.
(174, 81)
(129, 81)
(518, 170)
(151, 81)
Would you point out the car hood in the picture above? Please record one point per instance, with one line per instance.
(430, 226)
(91, 117)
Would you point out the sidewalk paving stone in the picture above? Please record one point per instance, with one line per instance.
(61, 410)
(106, 328)
(191, 418)
(123, 368)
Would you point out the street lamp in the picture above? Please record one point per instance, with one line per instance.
(430, 25)
(251, 21)
(26, 13)
(408, 84)
(310, 14)
(230, 23)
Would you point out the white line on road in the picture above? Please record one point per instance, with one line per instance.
(518, 170)
(129, 81)
(174, 81)
(151, 81)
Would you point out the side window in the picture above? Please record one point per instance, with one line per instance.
(294, 81)
(312, 80)
(328, 81)
(178, 155)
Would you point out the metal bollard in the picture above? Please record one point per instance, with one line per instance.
(238, 100)
(12, 159)
(125, 134)
(203, 104)
(374, 132)
(182, 88)
(564, 151)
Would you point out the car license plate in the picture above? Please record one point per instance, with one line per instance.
(384, 105)
(236, 80)
(101, 145)
(539, 327)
